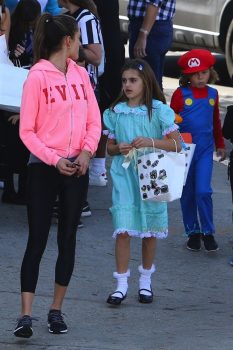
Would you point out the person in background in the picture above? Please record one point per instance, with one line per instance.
(5, 21)
(50, 6)
(110, 81)
(91, 53)
(139, 118)
(198, 105)
(4, 30)
(23, 21)
(227, 131)
(60, 125)
(151, 32)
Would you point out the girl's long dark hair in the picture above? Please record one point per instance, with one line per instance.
(49, 33)
(151, 86)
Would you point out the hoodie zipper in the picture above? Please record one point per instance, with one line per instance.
(71, 114)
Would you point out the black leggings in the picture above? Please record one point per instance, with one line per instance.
(44, 185)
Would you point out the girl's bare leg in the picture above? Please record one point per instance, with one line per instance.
(148, 252)
(122, 252)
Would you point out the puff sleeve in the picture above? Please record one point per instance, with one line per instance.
(166, 118)
(109, 117)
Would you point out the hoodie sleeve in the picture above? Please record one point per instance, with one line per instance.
(28, 121)
(93, 126)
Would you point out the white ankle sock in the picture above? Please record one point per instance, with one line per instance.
(122, 283)
(145, 279)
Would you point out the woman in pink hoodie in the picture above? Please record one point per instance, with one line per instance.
(60, 125)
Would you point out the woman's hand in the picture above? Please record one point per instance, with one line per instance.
(19, 50)
(140, 142)
(13, 119)
(65, 167)
(82, 162)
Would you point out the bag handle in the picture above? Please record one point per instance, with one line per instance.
(175, 144)
(153, 143)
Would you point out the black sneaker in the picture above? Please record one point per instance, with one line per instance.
(24, 327)
(210, 243)
(194, 242)
(86, 211)
(56, 323)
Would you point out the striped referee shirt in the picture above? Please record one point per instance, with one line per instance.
(137, 8)
(90, 33)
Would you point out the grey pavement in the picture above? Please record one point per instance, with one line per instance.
(193, 307)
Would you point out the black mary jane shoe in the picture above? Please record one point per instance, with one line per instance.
(113, 300)
(145, 299)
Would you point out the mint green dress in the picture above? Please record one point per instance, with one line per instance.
(130, 213)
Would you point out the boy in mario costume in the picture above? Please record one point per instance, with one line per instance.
(198, 105)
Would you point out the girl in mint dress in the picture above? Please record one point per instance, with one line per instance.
(139, 119)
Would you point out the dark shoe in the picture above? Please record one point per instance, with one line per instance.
(210, 243)
(145, 299)
(56, 323)
(9, 197)
(21, 199)
(24, 327)
(86, 211)
(231, 262)
(194, 242)
(116, 300)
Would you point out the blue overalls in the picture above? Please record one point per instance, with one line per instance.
(196, 198)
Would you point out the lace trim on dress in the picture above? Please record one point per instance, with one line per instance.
(111, 136)
(134, 233)
(124, 108)
(170, 129)
(105, 132)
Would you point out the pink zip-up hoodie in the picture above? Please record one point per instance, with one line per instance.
(59, 115)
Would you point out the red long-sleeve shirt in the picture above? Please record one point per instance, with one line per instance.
(177, 104)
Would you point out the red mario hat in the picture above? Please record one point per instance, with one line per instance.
(196, 60)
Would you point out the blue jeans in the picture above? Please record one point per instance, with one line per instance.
(159, 42)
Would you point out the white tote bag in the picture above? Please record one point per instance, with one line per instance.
(161, 175)
(188, 152)
(11, 87)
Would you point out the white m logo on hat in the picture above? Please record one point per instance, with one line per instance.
(194, 62)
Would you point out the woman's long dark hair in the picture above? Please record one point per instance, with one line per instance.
(49, 33)
(151, 86)
(25, 13)
(2, 3)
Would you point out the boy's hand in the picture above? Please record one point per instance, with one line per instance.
(221, 152)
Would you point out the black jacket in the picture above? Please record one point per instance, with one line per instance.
(227, 129)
